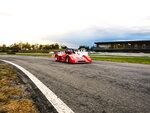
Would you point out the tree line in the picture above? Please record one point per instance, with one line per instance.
(36, 48)
(18, 47)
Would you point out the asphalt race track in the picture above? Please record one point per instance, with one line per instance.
(107, 87)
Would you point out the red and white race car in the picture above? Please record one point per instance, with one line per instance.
(73, 56)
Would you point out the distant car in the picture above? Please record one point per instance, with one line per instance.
(73, 56)
(51, 52)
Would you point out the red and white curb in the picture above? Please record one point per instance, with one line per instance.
(58, 104)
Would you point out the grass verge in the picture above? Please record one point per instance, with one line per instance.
(34, 55)
(13, 95)
(40, 55)
(128, 59)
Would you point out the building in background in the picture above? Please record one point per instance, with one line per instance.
(123, 46)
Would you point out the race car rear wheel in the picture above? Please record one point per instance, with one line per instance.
(67, 59)
(56, 57)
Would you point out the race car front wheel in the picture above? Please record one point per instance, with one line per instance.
(67, 59)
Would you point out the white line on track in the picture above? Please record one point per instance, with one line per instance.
(59, 105)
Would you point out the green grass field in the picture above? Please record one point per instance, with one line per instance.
(34, 55)
(40, 55)
(128, 59)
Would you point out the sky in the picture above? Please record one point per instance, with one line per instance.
(73, 22)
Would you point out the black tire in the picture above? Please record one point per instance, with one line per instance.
(67, 59)
(56, 57)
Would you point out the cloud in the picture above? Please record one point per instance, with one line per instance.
(147, 18)
(5, 14)
(91, 35)
(73, 22)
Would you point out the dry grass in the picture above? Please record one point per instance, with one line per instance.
(18, 106)
(13, 100)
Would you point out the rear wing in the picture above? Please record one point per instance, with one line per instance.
(81, 52)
